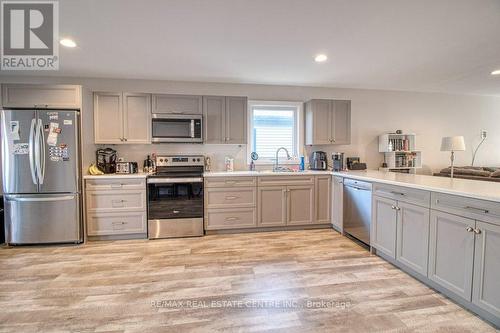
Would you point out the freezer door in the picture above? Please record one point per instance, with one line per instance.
(38, 219)
(18, 160)
(58, 143)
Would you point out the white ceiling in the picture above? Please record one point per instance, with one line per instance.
(425, 45)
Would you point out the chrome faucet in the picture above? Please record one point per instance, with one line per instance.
(276, 165)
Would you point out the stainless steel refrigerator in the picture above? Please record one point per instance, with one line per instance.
(41, 176)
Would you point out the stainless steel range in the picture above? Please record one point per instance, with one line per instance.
(175, 197)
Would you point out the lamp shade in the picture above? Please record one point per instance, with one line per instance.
(453, 143)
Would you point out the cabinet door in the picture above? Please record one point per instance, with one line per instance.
(318, 122)
(300, 205)
(214, 117)
(236, 120)
(108, 117)
(137, 118)
(272, 206)
(486, 288)
(451, 251)
(41, 96)
(341, 122)
(413, 236)
(177, 104)
(323, 199)
(338, 203)
(383, 228)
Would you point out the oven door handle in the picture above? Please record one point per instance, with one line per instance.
(175, 180)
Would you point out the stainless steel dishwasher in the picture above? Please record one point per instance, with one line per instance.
(358, 209)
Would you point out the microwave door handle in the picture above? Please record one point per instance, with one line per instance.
(192, 128)
(31, 151)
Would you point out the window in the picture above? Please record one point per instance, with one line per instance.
(274, 125)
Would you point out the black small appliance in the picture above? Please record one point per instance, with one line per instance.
(318, 161)
(106, 160)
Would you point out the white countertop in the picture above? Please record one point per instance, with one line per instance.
(264, 173)
(464, 187)
(116, 176)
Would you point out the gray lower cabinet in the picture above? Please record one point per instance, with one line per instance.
(486, 285)
(338, 203)
(412, 238)
(300, 205)
(225, 119)
(323, 199)
(177, 104)
(451, 253)
(327, 122)
(122, 118)
(272, 206)
(41, 96)
(383, 227)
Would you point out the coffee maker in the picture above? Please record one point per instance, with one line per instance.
(106, 160)
(338, 161)
(318, 161)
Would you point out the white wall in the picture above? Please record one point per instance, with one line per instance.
(429, 115)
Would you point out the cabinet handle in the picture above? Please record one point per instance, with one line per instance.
(398, 193)
(118, 223)
(232, 218)
(477, 231)
(176, 211)
(334, 140)
(469, 229)
(116, 185)
(398, 208)
(485, 211)
(393, 207)
(231, 197)
(230, 181)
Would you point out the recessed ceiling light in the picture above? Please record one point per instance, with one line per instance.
(496, 72)
(320, 58)
(68, 42)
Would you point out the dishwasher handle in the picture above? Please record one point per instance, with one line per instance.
(358, 188)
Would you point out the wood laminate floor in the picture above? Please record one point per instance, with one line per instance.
(294, 281)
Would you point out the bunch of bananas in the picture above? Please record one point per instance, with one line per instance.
(94, 170)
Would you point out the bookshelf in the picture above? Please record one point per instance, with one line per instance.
(400, 152)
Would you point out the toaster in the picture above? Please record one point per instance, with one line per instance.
(126, 167)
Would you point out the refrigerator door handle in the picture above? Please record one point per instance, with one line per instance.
(31, 144)
(25, 199)
(43, 152)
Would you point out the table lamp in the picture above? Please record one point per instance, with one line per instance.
(453, 144)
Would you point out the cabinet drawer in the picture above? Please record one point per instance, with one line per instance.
(477, 209)
(102, 224)
(285, 180)
(177, 104)
(231, 197)
(115, 184)
(98, 201)
(233, 218)
(230, 181)
(404, 194)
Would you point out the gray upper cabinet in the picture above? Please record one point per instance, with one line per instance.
(41, 96)
(383, 227)
(122, 118)
(225, 119)
(486, 285)
(137, 118)
(451, 253)
(236, 120)
(412, 248)
(177, 104)
(328, 122)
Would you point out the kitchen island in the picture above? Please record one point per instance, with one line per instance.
(445, 232)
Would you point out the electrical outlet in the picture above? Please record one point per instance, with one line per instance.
(484, 133)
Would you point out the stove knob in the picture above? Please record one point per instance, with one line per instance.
(198, 160)
(194, 159)
(161, 160)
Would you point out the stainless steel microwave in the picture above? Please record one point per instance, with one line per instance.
(177, 128)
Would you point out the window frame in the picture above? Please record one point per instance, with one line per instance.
(298, 130)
